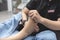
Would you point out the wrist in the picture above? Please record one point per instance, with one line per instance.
(41, 20)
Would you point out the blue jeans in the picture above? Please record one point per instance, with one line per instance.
(8, 27)
(44, 35)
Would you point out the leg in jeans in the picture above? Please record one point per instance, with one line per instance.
(9, 26)
(46, 35)
(28, 29)
(29, 38)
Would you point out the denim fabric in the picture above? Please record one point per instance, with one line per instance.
(8, 27)
(44, 35)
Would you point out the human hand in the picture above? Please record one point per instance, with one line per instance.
(34, 15)
(36, 28)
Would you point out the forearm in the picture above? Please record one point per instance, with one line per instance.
(54, 25)
(18, 36)
(24, 16)
(25, 13)
(28, 29)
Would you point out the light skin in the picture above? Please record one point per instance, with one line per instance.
(28, 29)
(25, 12)
(54, 25)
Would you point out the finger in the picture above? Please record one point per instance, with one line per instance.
(31, 14)
(34, 19)
(36, 29)
(31, 11)
(34, 16)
